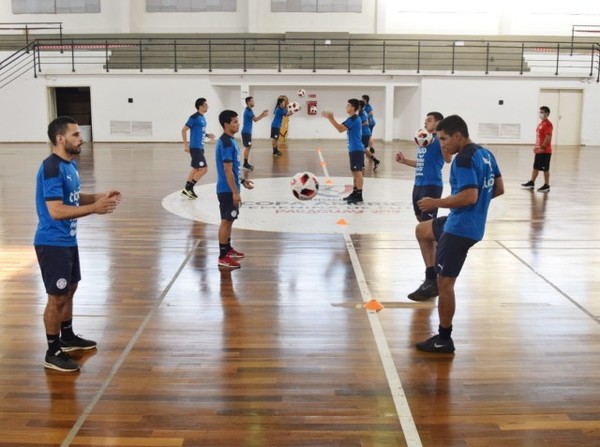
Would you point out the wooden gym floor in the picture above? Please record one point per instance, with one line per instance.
(280, 352)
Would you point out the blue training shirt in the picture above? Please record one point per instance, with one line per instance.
(227, 151)
(369, 110)
(473, 167)
(364, 118)
(248, 119)
(57, 179)
(197, 126)
(354, 127)
(430, 162)
(278, 115)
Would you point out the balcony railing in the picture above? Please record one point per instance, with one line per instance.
(393, 56)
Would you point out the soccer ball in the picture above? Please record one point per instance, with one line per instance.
(423, 138)
(294, 107)
(301, 93)
(305, 185)
(313, 110)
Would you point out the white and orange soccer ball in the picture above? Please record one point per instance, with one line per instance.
(305, 185)
(423, 137)
(294, 107)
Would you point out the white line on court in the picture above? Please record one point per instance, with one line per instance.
(86, 412)
(409, 429)
(406, 420)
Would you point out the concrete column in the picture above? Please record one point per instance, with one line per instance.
(388, 128)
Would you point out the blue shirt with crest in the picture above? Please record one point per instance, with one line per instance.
(473, 167)
(227, 151)
(57, 179)
(354, 127)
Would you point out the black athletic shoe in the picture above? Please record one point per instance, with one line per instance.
(426, 291)
(436, 344)
(357, 198)
(188, 194)
(375, 163)
(277, 153)
(528, 185)
(544, 188)
(76, 344)
(60, 361)
(248, 167)
(348, 197)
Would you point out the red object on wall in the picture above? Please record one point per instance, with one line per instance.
(311, 107)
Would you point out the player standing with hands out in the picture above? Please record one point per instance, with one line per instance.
(353, 126)
(475, 179)
(227, 157)
(249, 119)
(59, 203)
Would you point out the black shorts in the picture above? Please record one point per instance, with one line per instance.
(59, 266)
(247, 140)
(365, 140)
(541, 162)
(228, 210)
(198, 160)
(275, 133)
(425, 191)
(357, 160)
(451, 251)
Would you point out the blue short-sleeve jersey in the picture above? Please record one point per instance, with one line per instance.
(430, 162)
(364, 118)
(354, 127)
(227, 151)
(248, 119)
(278, 115)
(473, 167)
(369, 110)
(57, 179)
(197, 126)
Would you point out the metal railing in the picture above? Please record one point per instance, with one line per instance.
(583, 29)
(27, 28)
(401, 56)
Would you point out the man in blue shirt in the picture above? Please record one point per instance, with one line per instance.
(428, 183)
(196, 124)
(249, 120)
(229, 179)
(356, 151)
(59, 203)
(475, 180)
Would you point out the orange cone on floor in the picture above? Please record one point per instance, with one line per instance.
(373, 305)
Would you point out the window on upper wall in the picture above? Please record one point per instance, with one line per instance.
(191, 5)
(316, 5)
(55, 6)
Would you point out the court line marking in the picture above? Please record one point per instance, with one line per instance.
(409, 429)
(407, 422)
(115, 369)
(551, 284)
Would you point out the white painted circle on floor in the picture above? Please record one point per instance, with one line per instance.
(270, 206)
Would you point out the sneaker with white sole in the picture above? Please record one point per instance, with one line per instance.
(436, 344)
(229, 263)
(60, 361)
(544, 188)
(234, 254)
(528, 185)
(188, 194)
(77, 343)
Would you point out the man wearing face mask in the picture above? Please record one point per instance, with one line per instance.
(542, 151)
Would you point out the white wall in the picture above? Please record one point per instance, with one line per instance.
(166, 100)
